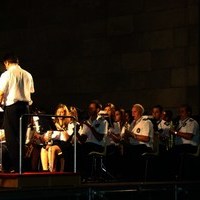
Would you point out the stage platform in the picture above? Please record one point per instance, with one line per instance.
(66, 186)
(39, 179)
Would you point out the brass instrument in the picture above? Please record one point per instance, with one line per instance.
(2, 135)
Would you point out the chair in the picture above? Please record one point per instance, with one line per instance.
(151, 155)
(99, 171)
(192, 159)
(196, 154)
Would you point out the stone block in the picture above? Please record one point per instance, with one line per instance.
(93, 29)
(168, 58)
(140, 61)
(193, 17)
(135, 80)
(69, 67)
(193, 2)
(159, 39)
(101, 64)
(120, 25)
(114, 64)
(154, 5)
(119, 8)
(181, 37)
(177, 96)
(193, 55)
(114, 44)
(193, 98)
(193, 75)
(95, 47)
(161, 20)
(194, 35)
(150, 97)
(46, 85)
(94, 64)
(178, 77)
(157, 79)
(141, 80)
(132, 43)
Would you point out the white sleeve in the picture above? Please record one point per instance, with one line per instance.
(4, 79)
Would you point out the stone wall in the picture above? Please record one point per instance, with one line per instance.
(125, 52)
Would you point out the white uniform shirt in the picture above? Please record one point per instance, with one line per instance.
(56, 135)
(188, 126)
(70, 128)
(124, 128)
(100, 125)
(17, 85)
(115, 130)
(164, 127)
(142, 127)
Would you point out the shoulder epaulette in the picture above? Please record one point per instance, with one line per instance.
(167, 123)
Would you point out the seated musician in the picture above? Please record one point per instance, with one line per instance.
(34, 139)
(113, 157)
(69, 158)
(162, 121)
(186, 133)
(91, 134)
(56, 141)
(161, 127)
(139, 139)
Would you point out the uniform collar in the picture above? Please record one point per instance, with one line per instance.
(12, 66)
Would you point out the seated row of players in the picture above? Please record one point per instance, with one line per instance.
(128, 137)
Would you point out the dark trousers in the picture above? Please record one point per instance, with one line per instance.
(180, 160)
(5, 157)
(11, 126)
(113, 160)
(134, 164)
(86, 160)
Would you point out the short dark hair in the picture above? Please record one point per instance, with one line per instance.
(168, 113)
(187, 107)
(97, 103)
(158, 106)
(11, 58)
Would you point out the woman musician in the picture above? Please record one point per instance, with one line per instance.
(56, 142)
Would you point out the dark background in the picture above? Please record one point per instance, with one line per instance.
(124, 52)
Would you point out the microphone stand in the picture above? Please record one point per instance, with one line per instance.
(75, 146)
(1, 151)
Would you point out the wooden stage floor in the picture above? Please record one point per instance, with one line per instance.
(60, 186)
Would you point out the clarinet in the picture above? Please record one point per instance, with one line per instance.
(49, 139)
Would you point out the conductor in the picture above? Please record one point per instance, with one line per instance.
(16, 86)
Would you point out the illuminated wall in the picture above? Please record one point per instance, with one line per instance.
(125, 52)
